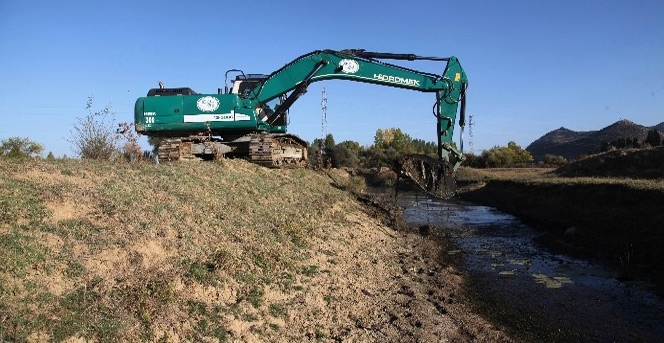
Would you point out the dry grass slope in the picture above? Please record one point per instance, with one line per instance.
(211, 252)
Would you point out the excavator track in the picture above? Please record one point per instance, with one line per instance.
(173, 149)
(269, 150)
(432, 176)
(278, 150)
(184, 149)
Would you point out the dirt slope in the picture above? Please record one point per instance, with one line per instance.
(210, 252)
(635, 164)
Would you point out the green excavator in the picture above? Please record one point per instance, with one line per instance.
(249, 118)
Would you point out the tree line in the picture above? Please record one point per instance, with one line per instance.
(390, 144)
(96, 135)
(653, 139)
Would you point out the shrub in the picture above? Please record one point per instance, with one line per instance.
(20, 147)
(553, 160)
(510, 156)
(94, 136)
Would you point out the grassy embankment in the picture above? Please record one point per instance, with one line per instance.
(608, 207)
(117, 252)
(214, 252)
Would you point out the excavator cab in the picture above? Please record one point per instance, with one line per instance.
(243, 85)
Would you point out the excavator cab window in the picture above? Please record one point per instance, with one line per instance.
(242, 85)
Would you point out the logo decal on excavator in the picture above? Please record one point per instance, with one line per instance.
(207, 104)
(397, 80)
(349, 66)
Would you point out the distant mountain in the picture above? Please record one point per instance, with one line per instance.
(573, 144)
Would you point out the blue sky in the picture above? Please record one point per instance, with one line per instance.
(533, 66)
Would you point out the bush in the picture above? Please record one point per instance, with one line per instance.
(504, 157)
(553, 160)
(131, 151)
(474, 161)
(94, 136)
(387, 177)
(343, 156)
(356, 184)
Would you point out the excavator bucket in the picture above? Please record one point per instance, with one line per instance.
(433, 176)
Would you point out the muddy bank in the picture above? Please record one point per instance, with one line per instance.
(613, 223)
(534, 294)
(411, 289)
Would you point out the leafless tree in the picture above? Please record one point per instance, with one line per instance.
(94, 136)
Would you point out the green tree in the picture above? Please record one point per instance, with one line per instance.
(20, 147)
(321, 152)
(393, 138)
(94, 136)
(353, 146)
(510, 156)
(391, 144)
(346, 154)
(423, 147)
(50, 156)
(328, 144)
(653, 138)
(620, 143)
(328, 151)
(314, 153)
(521, 156)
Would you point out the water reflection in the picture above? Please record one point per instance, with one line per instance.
(551, 291)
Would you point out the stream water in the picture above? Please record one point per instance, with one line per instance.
(545, 297)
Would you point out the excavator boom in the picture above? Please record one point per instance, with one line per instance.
(361, 66)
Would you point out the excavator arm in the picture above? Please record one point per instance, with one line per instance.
(449, 87)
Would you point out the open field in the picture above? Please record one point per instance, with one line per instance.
(215, 252)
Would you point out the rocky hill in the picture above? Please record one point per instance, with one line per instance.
(573, 144)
